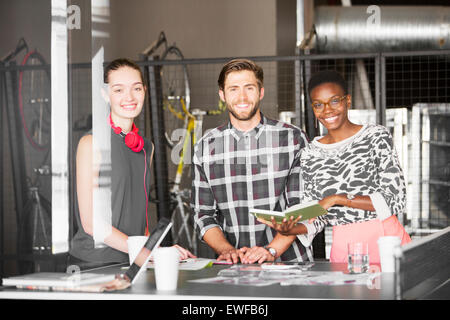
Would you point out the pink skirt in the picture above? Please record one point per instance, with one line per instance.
(367, 231)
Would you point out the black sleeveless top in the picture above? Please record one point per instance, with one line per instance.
(128, 201)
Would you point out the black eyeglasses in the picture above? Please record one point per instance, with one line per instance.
(334, 103)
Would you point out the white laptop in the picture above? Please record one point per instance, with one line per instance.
(46, 280)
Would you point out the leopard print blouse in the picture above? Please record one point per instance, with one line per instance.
(364, 164)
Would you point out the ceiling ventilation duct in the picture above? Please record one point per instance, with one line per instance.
(381, 28)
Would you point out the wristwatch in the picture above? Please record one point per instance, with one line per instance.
(350, 197)
(272, 251)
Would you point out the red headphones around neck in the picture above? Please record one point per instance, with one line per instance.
(136, 143)
(132, 139)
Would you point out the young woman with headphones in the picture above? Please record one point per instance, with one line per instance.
(131, 157)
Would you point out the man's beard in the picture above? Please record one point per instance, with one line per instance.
(247, 117)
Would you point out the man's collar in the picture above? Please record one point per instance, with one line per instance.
(256, 131)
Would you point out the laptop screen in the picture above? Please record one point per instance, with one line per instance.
(156, 237)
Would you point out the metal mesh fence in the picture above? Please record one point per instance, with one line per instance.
(419, 83)
(417, 79)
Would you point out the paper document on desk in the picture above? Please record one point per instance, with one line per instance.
(314, 278)
(41, 280)
(242, 281)
(191, 264)
(251, 275)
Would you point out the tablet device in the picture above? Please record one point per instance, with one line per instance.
(154, 240)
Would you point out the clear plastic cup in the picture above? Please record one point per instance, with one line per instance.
(358, 257)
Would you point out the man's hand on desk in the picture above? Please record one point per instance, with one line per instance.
(215, 238)
(256, 255)
(246, 255)
(231, 255)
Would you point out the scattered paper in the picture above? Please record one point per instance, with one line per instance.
(190, 264)
(258, 275)
(243, 281)
(330, 279)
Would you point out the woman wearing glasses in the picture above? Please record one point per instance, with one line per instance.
(353, 171)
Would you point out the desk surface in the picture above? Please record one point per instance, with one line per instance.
(145, 288)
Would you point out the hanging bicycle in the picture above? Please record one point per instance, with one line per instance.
(34, 100)
(174, 84)
(181, 156)
(34, 95)
(182, 127)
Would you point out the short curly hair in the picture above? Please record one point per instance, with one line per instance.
(326, 76)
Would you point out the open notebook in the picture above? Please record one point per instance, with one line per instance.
(307, 211)
(88, 281)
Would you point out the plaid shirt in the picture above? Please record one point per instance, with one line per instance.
(234, 171)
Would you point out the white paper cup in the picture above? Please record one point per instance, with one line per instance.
(135, 244)
(166, 262)
(386, 247)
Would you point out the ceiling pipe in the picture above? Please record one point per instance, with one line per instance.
(381, 28)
